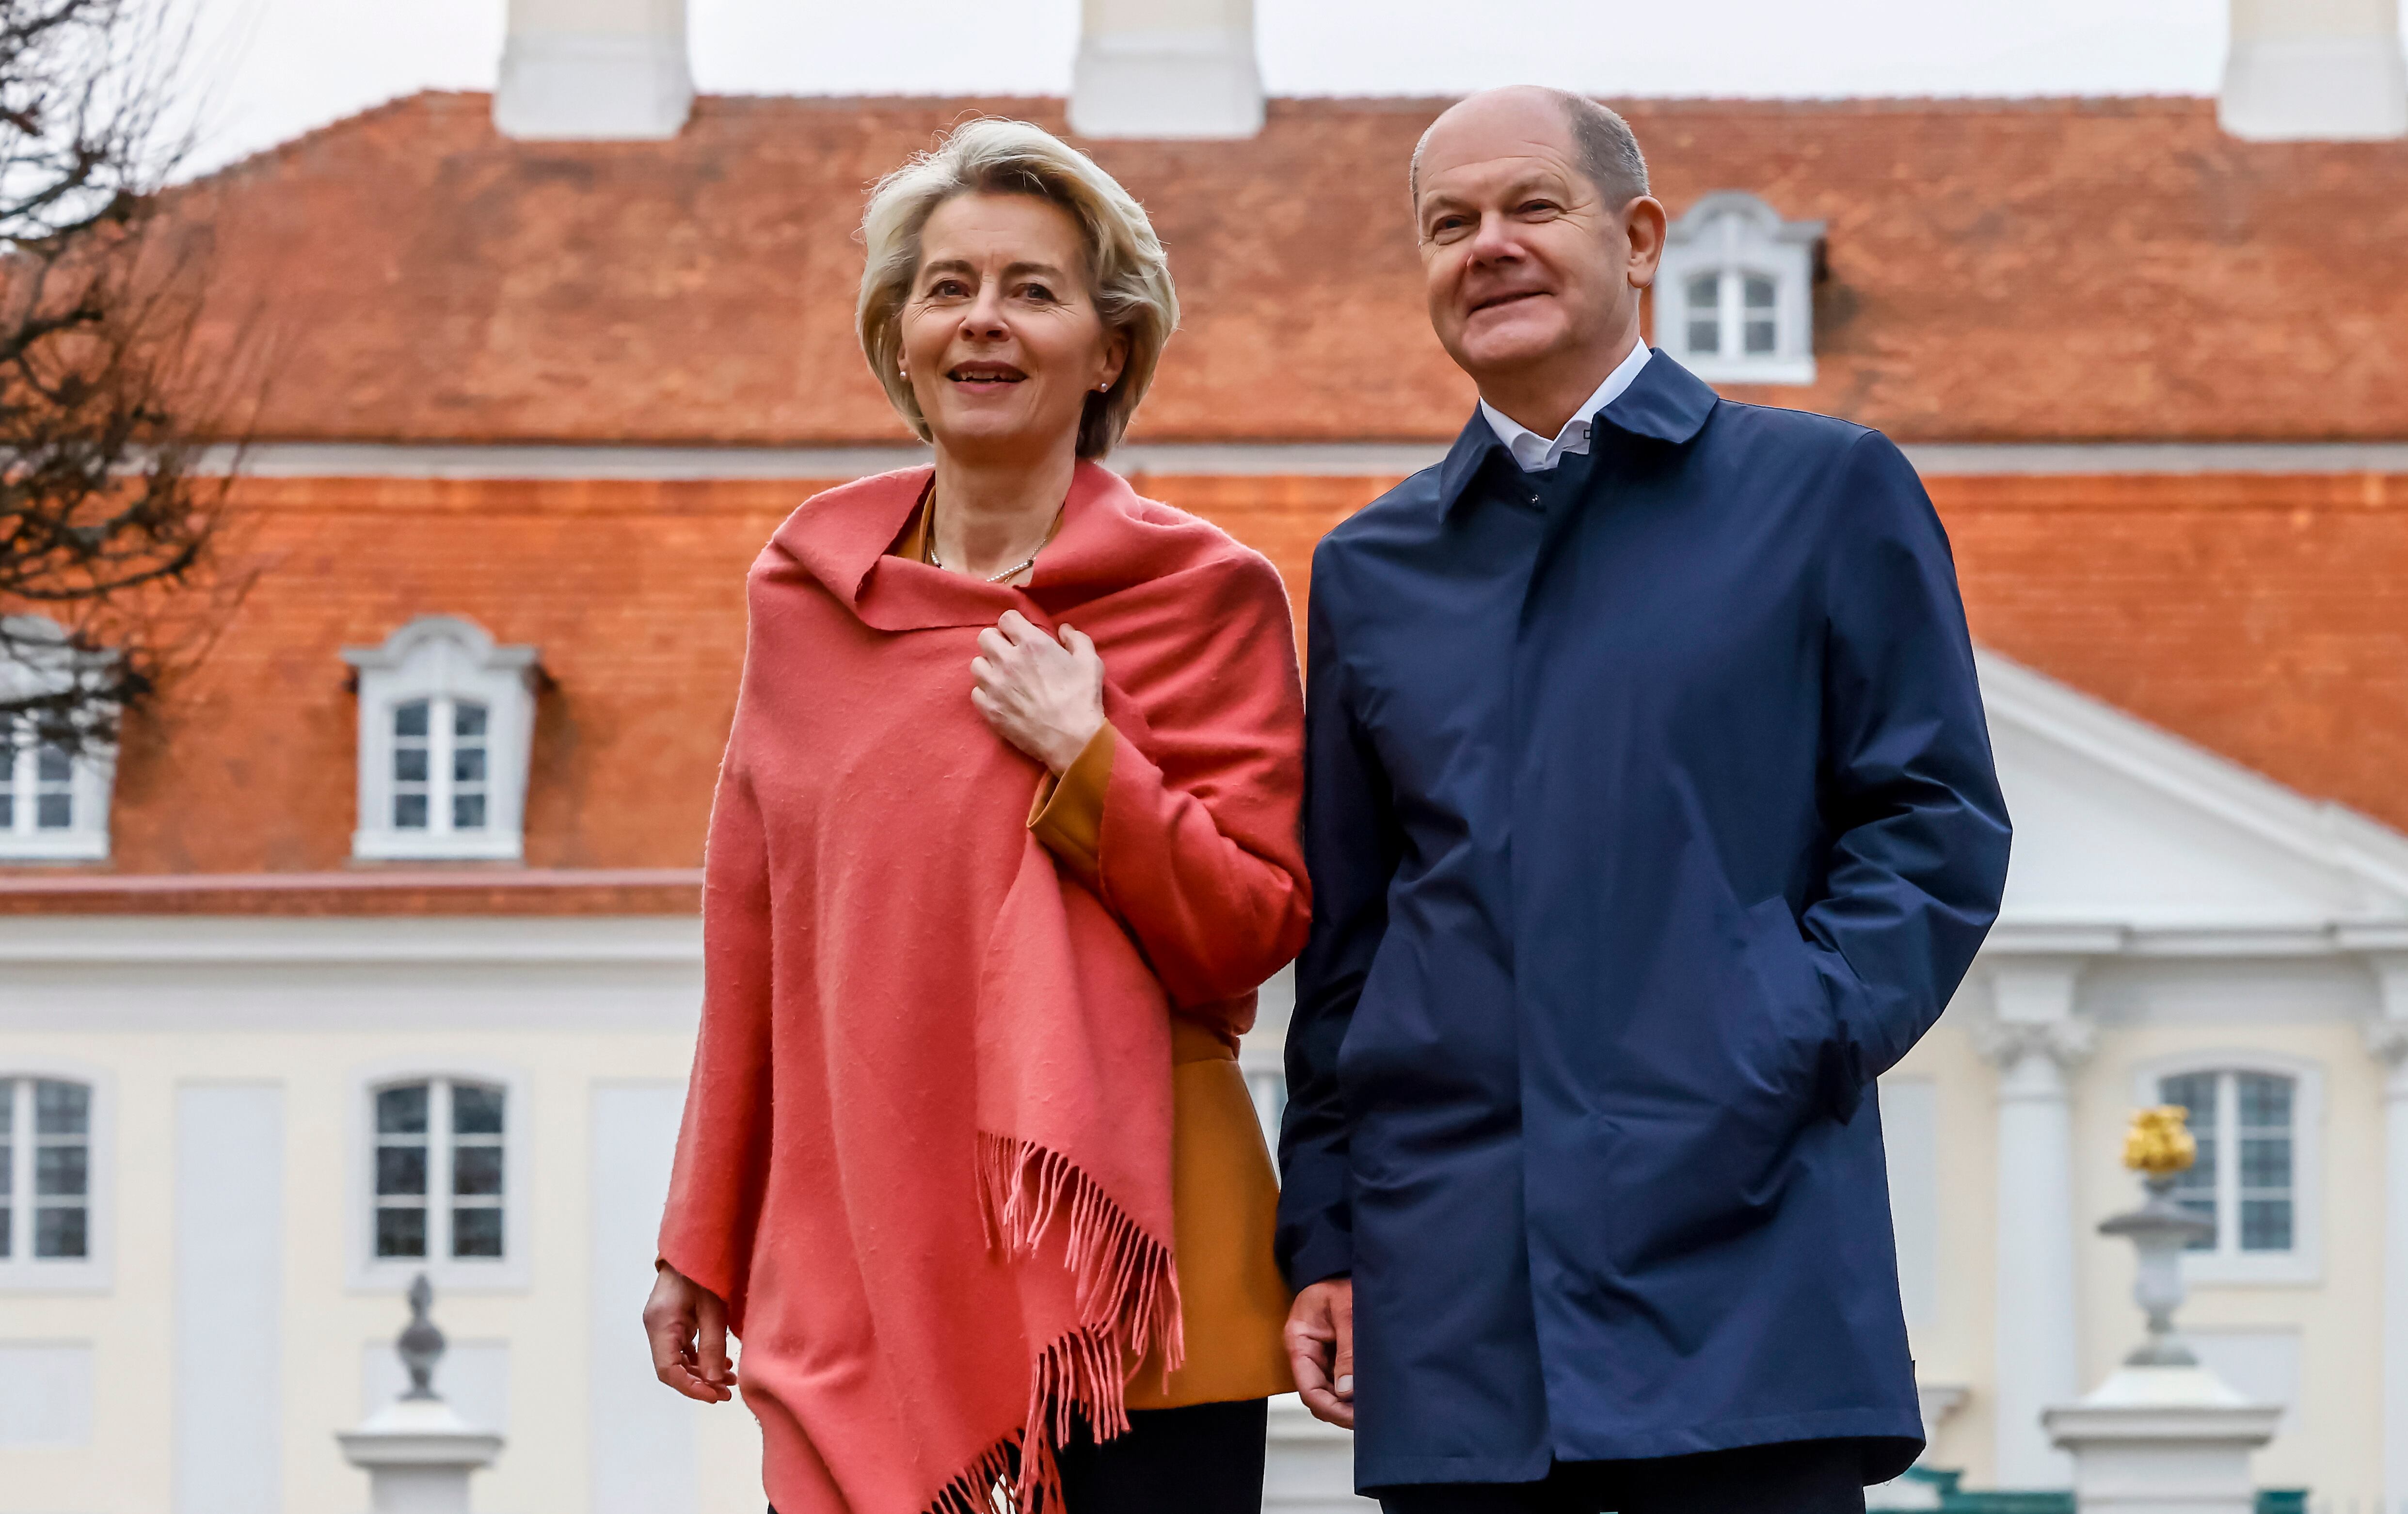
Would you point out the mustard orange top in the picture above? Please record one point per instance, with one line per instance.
(1225, 1192)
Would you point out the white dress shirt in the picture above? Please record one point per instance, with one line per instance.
(1535, 453)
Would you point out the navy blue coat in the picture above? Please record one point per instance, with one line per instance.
(1651, 816)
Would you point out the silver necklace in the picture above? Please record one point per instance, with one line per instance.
(928, 552)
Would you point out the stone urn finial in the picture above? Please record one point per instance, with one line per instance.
(2160, 1147)
(420, 1344)
(417, 1451)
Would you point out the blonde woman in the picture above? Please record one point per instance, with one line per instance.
(1005, 839)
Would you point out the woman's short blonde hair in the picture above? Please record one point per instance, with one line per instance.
(1128, 275)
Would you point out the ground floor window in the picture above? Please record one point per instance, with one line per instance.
(440, 1170)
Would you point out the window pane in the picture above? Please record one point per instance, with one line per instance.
(402, 1111)
(2265, 1101)
(409, 719)
(475, 1109)
(1758, 335)
(7, 1235)
(8, 1113)
(1705, 336)
(58, 1233)
(1705, 293)
(468, 719)
(1759, 292)
(2195, 1190)
(475, 1232)
(7, 800)
(409, 811)
(409, 765)
(400, 1169)
(61, 1171)
(469, 812)
(60, 1108)
(468, 764)
(53, 765)
(54, 812)
(401, 1233)
(476, 1170)
(2266, 1162)
(2265, 1224)
(2194, 1093)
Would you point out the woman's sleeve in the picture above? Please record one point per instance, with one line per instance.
(1185, 825)
(722, 1154)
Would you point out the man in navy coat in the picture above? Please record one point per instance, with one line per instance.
(1651, 817)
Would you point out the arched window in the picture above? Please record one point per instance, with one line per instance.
(1735, 292)
(445, 721)
(51, 1173)
(441, 1177)
(439, 1180)
(53, 800)
(2244, 1180)
(2255, 1120)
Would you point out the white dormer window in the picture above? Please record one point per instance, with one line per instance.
(54, 799)
(447, 719)
(1735, 293)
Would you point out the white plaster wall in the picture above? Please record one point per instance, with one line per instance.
(305, 1030)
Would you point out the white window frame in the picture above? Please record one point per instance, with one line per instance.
(370, 1273)
(1730, 234)
(2228, 1264)
(443, 660)
(21, 1272)
(92, 772)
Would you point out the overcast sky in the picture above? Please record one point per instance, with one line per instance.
(274, 68)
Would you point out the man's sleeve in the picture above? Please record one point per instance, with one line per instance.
(1350, 849)
(1918, 857)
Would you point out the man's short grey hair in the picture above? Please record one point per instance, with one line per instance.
(1128, 274)
(1603, 144)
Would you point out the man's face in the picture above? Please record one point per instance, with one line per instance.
(1523, 259)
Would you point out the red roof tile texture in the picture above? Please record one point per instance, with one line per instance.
(2266, 619)
(2026, 270)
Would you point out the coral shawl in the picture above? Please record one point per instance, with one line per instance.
(926, 1154)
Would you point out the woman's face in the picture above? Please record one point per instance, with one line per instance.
(1001, 338)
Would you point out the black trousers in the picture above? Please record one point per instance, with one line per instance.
(1205, 1459)
(1804, 1477)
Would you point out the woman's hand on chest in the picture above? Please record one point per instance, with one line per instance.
(1043, 695)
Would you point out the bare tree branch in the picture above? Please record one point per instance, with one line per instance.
(102, 515)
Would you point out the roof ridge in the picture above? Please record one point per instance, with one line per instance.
(277, 151)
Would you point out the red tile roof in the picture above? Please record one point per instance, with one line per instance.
(2266, 619)
(2049, 269)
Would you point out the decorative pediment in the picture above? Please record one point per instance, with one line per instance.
(2123, 826)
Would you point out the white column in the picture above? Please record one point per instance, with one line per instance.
(2387, 1038)
(1164, 69)
(2315, 70)
(2034, 1039)
(594, 70)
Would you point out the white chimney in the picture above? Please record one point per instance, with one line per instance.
(594, 70)
(1166, 68)
(2316, 70)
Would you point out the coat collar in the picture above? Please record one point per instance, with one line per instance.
(841, 538)
(1666, 402)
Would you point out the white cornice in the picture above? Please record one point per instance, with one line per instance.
(544, 461)
(583, 940)
(2011, 938)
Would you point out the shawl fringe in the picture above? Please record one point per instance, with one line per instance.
(1128, 1296)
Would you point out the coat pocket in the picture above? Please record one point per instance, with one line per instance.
(1795, 1006)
